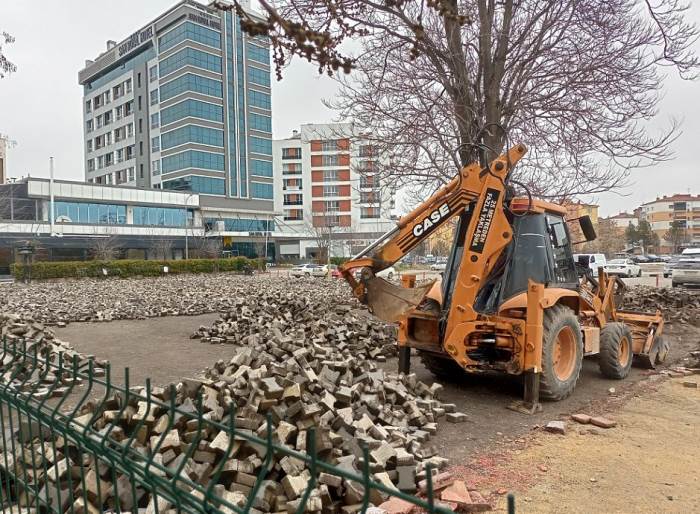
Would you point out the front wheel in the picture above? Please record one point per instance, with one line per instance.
(615, 359)
(562, 353)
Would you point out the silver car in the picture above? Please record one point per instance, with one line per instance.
(308, 270)
(687, 270)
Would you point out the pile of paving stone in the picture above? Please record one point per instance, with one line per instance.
(324, 314)
(22, 338)
(680, 305)
(59, 303)
(300, 380)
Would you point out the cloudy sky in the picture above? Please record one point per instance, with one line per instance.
(40, 105)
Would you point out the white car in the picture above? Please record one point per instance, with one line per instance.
(592, 261)
(623, 267)
(687, 270)
(308, 270)
(438, 266)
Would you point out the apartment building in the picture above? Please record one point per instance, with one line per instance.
(684, 209)
(326, 185)
(184, 103)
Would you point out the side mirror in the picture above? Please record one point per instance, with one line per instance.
(587, 228)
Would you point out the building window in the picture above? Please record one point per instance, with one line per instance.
(293, 214)
(192, 134)
(130, 130)
(109, 159)
(258, 76)
(330, 176)
(153, 73)
(161, 216)
(117, 91)
(193, 159)
(107, 116)
(291, 168)
(107, 97)
(196, 184)
(120, 155)
(100, 162)
(241, 224)
(155, 144)
(260, 122)
(130, 152)
(91, 164)
(258, 190)
(89, 145)
(369, 213)
(292, 184)
(189, 30)
(88, 125)
(330, 160)
(99, 121)
(191, 82)
(366, 151)
(260, 168)
(92, 213)
(330, 145)
(260, 145)
(140, 170)
(291, 153)
(155, 167)
(141, 148)
(369, 181)
(128, 85)
(368, 197)
(154, 97)
(331, 190)
(138, 80)
(119, 112)
(190, 57)
(140, 103)
(140, 125)
(108, 138)
(155, 120)
(192, 108)
(258, 53)
(131, 174)
(88, 106)
(259, 99)
(97, 102)
(293, 199)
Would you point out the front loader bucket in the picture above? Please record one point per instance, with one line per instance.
(388, 301)
(656, 356)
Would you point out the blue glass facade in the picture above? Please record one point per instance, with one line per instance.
(191, 108)
(192, 31)
(260, 145)
(192, 134)
(260, 122)
(262, 191)
(162, 216)
(259, 99)
(139, 58)
(197, 184)
(193, 159)
(260, 168)
(241, 104)
(190, 82)
(190, 57)
(242, 224)
(233, 165)
(258, 53)
(93, 213)
(258, 76)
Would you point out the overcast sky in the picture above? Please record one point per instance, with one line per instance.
(40, 105)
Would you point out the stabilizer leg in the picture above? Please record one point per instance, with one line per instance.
(530, 403)
(404, 359)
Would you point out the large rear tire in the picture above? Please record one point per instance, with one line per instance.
(562, 353)
(615, 358)
(442, 368)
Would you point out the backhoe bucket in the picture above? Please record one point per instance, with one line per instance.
(656, 356)
(389, 302)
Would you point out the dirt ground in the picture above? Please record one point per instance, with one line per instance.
(648, 463)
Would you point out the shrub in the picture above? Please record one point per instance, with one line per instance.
(131, 268)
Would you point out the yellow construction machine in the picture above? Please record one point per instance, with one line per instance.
(511, 298)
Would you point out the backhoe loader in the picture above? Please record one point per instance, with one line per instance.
(511, 298)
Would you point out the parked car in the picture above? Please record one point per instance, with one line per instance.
(308, 270)
(623, 267)
(438, 266)
(653, 257)
(388, 273)
(670, 264)
(640, 259)
(592, 261)
(687, 269)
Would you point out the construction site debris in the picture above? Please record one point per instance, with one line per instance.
(556, 427)
(680, 305)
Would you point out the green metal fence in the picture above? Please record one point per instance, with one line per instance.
(74, 441)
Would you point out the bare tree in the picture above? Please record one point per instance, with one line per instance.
(207, 247)
(6, 67)
(577, 80)
(105, 248)
(162, 249)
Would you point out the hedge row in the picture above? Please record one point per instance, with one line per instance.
(130, 268)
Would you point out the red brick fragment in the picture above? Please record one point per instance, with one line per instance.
(602, 422)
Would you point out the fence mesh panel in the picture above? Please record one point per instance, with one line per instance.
(75, 441)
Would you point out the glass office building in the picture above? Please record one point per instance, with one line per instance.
(184, 103)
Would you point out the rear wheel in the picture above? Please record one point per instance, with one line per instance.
(562, 353)
(443, 368)
(615, 359)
